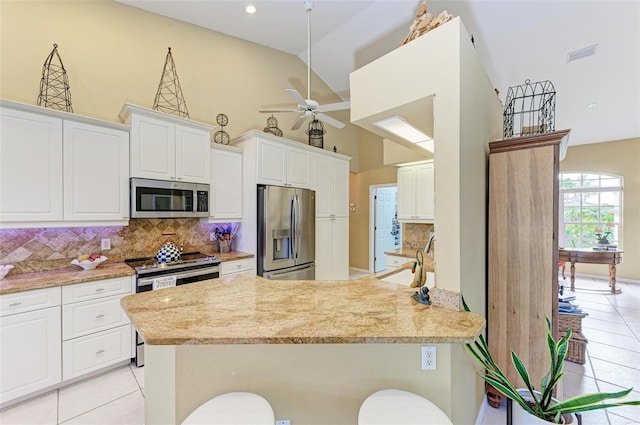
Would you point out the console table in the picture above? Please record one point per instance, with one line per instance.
(586, 255)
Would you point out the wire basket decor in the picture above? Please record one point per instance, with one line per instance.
(530, 109)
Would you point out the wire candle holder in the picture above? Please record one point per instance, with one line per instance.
(529, 109)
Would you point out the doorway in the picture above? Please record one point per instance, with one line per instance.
(385, 230)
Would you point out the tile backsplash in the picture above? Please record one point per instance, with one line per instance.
(416, 235)
(41, 249)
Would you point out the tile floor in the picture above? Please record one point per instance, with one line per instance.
(613, 361)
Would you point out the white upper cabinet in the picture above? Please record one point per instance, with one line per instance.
(61, 169)
(331, 183)
(282, 165)
(165, 147)
(225, 193)
(416, 193)
(30, 166)
(96, 172)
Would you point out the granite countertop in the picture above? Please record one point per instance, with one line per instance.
(247, 309)
(69, 276)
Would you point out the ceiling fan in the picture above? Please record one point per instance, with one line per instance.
(309, 107)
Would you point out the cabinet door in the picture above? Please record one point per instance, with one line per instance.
(332, 249)
(153, 148)
(192, 155)
(225, 196)
(271, 163)
(323, 185)
(298, 168)
(237, 267)
(340, 188)
(324, 242)
(340, 249)
(96, 172)
(425, 191)
(406, 193)
(31, 357)
(30, 167)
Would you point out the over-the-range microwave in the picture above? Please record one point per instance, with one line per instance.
(168, 199)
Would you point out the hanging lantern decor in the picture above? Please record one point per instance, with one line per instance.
(316, 133)
(272, 126)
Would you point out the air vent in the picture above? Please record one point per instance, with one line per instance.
(582, 53)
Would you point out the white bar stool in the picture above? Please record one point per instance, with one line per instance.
(233, 409)
(397, 407)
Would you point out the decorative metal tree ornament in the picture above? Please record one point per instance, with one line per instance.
(221, 136)
(54, 84)
(316, 133)
(169, 97)
(272, 126)
(529, 109)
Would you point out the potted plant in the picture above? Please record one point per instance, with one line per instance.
(540, 403)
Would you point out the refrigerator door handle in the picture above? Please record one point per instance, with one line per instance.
(292, 225)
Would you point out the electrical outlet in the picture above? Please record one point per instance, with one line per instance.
(428, 357)
(105, 244)
(283, 422)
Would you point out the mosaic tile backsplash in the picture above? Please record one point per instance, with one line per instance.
(416, 235)
(41, 249)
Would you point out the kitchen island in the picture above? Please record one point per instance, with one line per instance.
(314, 349)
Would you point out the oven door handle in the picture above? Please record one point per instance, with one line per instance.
(149, 280)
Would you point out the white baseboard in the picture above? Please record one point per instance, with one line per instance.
(483, 408)
(604, 278)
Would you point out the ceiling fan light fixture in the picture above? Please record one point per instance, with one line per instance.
(250, 9)
(402, 128)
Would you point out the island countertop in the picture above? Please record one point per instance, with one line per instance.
(247, 309)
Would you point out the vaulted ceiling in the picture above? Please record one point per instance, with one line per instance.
(598, 97)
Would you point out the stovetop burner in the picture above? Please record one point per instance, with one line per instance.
(189, 260)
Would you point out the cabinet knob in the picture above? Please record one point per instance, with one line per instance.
(15, 304)
(100, 316)
(100, 351)
(99, 289)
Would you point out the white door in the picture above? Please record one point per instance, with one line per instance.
(385, 208)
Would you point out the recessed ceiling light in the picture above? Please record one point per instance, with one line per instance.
(250, 9)
(401, 127)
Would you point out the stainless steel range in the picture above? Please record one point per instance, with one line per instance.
(152, 276)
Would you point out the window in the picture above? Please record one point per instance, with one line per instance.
(590, 210)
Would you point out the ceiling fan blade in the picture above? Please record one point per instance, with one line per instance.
(270, 111)
(299, 122)
(334, 106)
(329, 120)
(297, 97)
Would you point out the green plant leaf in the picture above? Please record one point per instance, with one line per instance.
(524, 374)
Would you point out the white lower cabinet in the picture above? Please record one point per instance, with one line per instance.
(242, 266)
(95, 351)
(332, 248)
(30, 338)
(395, 262)
(96, 332)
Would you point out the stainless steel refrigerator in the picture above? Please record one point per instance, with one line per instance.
(286, 233)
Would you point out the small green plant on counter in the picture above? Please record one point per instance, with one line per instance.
(541, 404)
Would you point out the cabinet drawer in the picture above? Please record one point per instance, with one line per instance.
(95, 351)
(19, 302)
(88, 317)
(97, 289)
(229, 267)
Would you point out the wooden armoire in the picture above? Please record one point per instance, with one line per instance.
(523, 249)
